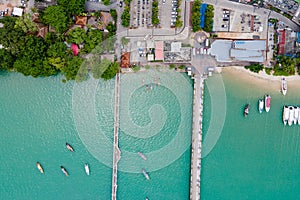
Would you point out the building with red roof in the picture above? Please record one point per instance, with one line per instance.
(159, 50)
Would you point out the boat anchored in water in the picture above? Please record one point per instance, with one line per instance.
(145, 174)
(296, 114)
(246, 110)
(64, 170)
(260, 105)
(285, 115)
(87, 169)
(39, 166)
(283, 86)
(69, 147)
(291, 115)
(267, 103)
(142, 155)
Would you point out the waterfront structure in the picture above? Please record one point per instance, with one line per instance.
(239, 50)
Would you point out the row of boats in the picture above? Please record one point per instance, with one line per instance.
(291, 115)
(63, 169)
(146, 175)
(262, 105)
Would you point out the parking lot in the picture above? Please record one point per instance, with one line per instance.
(141, 13)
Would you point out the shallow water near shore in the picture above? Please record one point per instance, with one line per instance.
(255, 157)
(37, 120)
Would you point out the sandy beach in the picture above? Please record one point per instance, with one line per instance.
(262, 79)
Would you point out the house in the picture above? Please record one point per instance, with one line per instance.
(105, 19)
(43, 30)
(125, 60)
(81, 20)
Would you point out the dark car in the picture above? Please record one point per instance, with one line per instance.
(121, 4)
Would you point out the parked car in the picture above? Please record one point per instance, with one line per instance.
(121, 4)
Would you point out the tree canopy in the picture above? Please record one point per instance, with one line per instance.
(196, 16)
(56, 17)
(72, 7)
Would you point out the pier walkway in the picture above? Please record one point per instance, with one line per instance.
(196, 138)
(116, 150)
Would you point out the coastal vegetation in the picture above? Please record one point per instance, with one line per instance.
(31, 54)
(155, 19)
(255, 67)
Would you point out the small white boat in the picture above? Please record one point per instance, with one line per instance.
(142, 155)
(285, 115)
(246, 110)
(283, 86)
(69, 147)
(267, 103)
(145, 174)
(39, 166)
(260, 105)
(299, 116)
(64, 170)
(87, 169)
(296, 114)
(291, 115)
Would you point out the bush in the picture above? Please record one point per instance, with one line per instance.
(136, 68)
(172, 66)
(255, 67)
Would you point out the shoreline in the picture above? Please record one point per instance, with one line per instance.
(261, 79)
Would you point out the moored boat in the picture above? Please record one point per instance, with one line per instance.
(283, 86)
(285, 115)
(260, 105)
(145, 174)
(296, 114)
(69, 147)
(142, 155)
(246, 110)
(39, 166)
(267, 103)
(64, 170)
(291, 115)
(87, 169)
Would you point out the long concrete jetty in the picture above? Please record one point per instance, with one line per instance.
(196, 138)
(116, 150)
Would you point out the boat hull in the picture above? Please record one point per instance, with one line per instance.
(87, 169)
(260, 106)
(291, 115)
(64, 171)
(283, 86)
(69, 147)
(40, 168)
(267, 103)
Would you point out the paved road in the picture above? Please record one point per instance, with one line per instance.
(251, 9)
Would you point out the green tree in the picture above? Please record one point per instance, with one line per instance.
(57, 49)
(71, 68)
(26, 24)
(56, 17)
(11, 38)
(114, 14)
(72, 7)
(209, 16)
(124, 40)
(111, 71)
(196, 16)
(76, 35)
(106, 2)
(111, 29)
(126, 17)
(7, 59)
(93, 39)
(100, 67)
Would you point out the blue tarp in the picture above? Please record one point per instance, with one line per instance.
(298, 37)
(202, 14)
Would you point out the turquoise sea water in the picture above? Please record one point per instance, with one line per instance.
(254, 157)
(37, 118)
